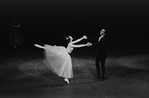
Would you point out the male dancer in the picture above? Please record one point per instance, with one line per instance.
(101, 55)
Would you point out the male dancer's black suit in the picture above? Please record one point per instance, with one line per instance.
(101, 57)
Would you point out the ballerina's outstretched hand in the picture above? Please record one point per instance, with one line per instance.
(84, 37)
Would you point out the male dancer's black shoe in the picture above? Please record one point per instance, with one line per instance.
(97, 78)
(101, 79)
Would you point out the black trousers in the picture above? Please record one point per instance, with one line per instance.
(100, 65)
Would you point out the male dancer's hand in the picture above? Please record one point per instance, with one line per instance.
(89, 44)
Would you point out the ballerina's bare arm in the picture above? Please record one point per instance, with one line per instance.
(39, 46)
(80, 45)
(78, 40)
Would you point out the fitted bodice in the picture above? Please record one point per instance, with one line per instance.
(69, 48)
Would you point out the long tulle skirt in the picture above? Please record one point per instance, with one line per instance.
(58, 61)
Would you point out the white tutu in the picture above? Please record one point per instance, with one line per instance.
(58, 60)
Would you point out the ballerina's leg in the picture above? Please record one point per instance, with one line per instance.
(39, 46)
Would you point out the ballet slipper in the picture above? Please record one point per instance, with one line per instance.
(66, 80)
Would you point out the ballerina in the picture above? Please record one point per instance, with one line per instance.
(58, 59)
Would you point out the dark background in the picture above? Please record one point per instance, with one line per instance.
(48, 21)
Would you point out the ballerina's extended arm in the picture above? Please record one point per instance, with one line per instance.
(78, 40)
(39, 46)
(81, 45)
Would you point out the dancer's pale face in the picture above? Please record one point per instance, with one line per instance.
(102, 32)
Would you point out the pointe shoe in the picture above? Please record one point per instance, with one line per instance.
(66, 80)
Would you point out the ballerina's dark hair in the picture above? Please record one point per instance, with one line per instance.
(67, 38)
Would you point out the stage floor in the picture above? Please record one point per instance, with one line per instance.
(23, 75)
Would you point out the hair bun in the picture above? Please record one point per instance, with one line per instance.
(66, 37)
